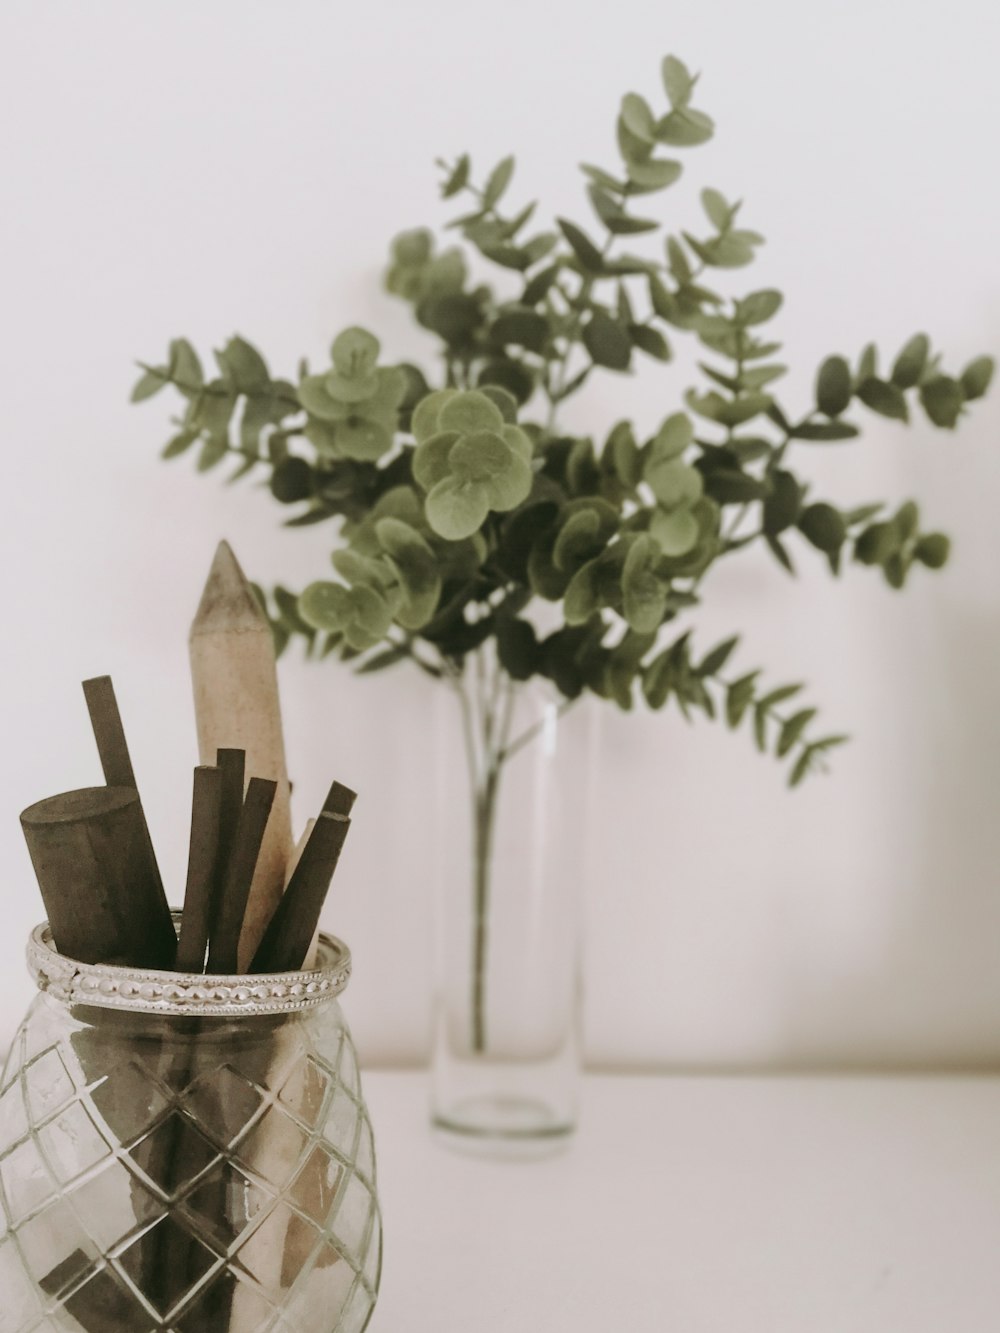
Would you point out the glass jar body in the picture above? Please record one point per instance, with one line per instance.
(168, 1171)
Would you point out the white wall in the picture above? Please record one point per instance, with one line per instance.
(200, 169)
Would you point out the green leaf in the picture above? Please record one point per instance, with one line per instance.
(540, 285)
(685, 127)
(151, 381)
(517, 647)
(942, 399)
(379, 661)
(524, 328)
(675, 533)
(884, 398)
(654, 174)
(677, 262)
(932, 550)
(825, 432)
(677, 81)
(456, 508)
(291, 480)
(674, 437)
(582, 246)
(498, 181)
(833, 386)
(179, 444)
(776, 548)
(185, 366)
(244, 365)
(644, 596)
(638, 117)
(976, 377)
(607, 342)
(650, 340)
(355, 353)
(739, 695)
(674, 482)
(909, 365)
(717, 208)
(877, 543)
(759, 307)
(713, 662)
(469, 411)
(456, 181)
(823, 526)
(792, 730)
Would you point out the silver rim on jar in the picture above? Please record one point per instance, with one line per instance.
(144, 990)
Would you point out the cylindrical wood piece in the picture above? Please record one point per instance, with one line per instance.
(90, 852)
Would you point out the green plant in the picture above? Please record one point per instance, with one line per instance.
(462, 504)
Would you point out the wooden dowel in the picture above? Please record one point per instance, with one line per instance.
(288, 936)
(202, 858)
(340, 800)
(89, 851)
(112, 748)
(223, 950)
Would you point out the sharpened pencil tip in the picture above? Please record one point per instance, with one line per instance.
(228, 602)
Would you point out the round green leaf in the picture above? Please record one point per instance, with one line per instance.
(430, 458)
(470, 411)
(674, 482)
(456, 508)
(675, 533)
(355, 353)
(674, 436)
(824, 526)
(909, 365)
(833, 386)
(424, 423)
(933, 550)
(325, 605)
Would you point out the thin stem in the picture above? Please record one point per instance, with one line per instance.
(526, 737)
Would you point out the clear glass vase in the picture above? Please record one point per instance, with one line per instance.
(513, 774)
(185, 1153)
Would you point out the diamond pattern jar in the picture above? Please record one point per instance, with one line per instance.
(185, 1153)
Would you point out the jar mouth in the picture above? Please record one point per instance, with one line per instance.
(153, 991)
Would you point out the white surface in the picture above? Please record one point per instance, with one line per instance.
(712, 1205)
(198, 169)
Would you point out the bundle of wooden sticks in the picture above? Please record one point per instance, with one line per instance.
(102, 889)
(251, 903)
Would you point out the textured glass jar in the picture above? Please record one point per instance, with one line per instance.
(185, 1153)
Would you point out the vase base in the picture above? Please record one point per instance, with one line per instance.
(498, 1126)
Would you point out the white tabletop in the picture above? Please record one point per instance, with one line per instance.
(703, 1205)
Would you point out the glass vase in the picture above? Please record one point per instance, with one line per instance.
(513, 774)
(185, 1153)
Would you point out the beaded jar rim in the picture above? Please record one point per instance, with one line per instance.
(154, 991)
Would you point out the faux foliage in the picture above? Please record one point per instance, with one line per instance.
(459, 503)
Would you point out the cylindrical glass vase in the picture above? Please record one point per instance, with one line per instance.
(513, 775)
(185, 1153)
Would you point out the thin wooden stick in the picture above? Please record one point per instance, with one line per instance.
(223, 949)
(101, 897)
(203, 852)
(112, 747)
(340, 800)
(232, 764)
(289, 934)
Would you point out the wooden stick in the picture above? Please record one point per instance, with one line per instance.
(203, 852)
(232, 764)
(340, 800)
(112, 747)
(289, 934)
(223, 948)
(236, 703)
(89, 850)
